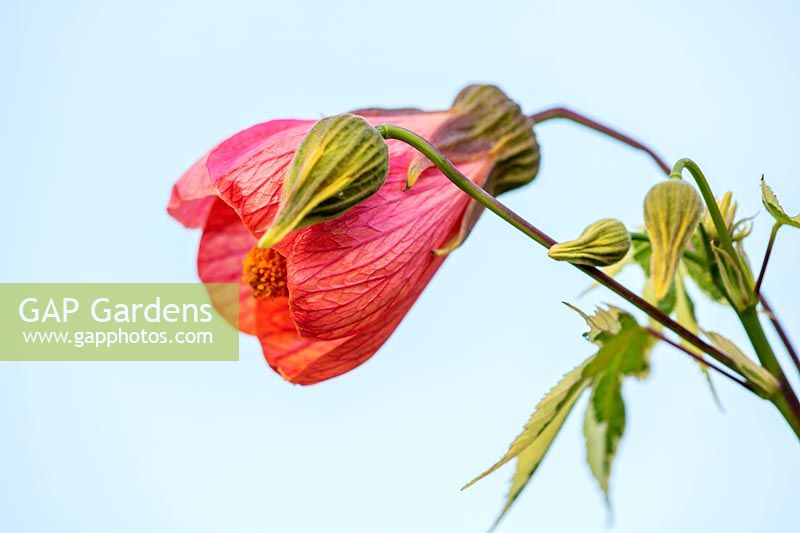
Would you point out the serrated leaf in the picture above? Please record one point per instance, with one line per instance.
(549, 408)
(620, 339)
(774, 207)
(531, 457)
(623, 351)
(604, 321)
(624, 354)
(603, 426)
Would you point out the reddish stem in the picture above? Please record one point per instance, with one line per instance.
(574, 116)
(700, 360)
(568, 114)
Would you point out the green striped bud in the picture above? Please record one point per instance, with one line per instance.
(603, 243)
(341, 161)
(736, 277)
(486, 124)
(672, 210)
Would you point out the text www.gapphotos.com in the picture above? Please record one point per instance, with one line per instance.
(80, 339)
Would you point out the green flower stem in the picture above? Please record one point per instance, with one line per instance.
(710, 200)
(560, 112)
(688, 254)
(493, 205)
(785, 399)
(772, 236)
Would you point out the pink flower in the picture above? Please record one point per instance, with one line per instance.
(325, 298)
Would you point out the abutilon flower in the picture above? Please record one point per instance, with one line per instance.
(326, 295)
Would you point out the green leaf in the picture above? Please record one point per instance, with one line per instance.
(685, 316)
(623, 350)
(532, 444)
(628, 351)
(641, 255)
(531, 457)
(701, 275)
(774, 207)
(604, 321)
(623, 353)
(603, 426)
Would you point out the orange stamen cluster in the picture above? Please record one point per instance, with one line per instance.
(265, 271)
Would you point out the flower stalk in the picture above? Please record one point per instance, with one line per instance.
(578, 118)
(785, 399)
(498, 208)
(764, 263)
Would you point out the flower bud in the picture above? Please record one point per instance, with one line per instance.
(603, 243)
(672, 210)
(736, 277)
(727, 207)
(486, 124)
(341, 161)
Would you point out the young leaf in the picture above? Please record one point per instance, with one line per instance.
(623, 351)
(531, 457)
(532, 444)
(628, 352)
(550, 411)
(774, 207)
(603, 321)
(603, 426)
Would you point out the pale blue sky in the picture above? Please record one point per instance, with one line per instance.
(105, 104)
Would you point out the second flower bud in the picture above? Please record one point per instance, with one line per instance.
(341, 161)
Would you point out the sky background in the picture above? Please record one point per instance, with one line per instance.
(103, 105)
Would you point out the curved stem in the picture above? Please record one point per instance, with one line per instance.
(493, 205)
(578, 118)
(785, 399)
(574, 116)
(781, 332)
(560, 112)
(710, 200)
(772, 236)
